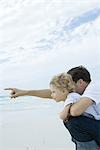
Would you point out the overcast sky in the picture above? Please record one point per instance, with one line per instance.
(40, 39)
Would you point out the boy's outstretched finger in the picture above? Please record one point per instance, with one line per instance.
(12, 90)
(9, 89)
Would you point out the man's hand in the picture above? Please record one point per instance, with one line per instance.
(65, 113)
(15, 92)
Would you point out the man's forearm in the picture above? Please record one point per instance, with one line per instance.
(46, 93)
(79, 107)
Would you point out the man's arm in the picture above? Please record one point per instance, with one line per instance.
(45, 93)
(79, 107)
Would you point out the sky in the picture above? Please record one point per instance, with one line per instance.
(40, 39)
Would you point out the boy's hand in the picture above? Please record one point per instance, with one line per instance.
(15, 92)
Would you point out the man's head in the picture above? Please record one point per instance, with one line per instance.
(81, 78)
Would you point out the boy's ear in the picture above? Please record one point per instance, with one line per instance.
(64, 90)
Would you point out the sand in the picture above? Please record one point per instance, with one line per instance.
(33, 130)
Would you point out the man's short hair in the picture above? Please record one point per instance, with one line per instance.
(80, 72)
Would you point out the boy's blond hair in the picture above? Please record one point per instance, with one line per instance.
(62, 81)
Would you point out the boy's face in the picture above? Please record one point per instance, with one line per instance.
(57, 94)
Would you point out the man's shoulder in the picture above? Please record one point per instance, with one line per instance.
(92, 89)
(93, 92)
(93, 85)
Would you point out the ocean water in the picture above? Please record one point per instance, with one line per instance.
(7, 105)
(23, 103)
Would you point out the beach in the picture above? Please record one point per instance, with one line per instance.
(33, 130)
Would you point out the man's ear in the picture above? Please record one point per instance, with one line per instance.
(80, 81)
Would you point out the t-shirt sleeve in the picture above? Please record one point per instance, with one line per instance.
(71, 98)
(93, 92)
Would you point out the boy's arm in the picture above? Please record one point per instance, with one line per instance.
(45, 93)
(79, 107)
(64, 114)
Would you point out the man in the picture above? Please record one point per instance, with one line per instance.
(81, 127)
(81, 77)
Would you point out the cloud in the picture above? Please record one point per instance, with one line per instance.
(23, 57)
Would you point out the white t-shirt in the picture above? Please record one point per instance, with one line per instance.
(92, 92)
(72, 98)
